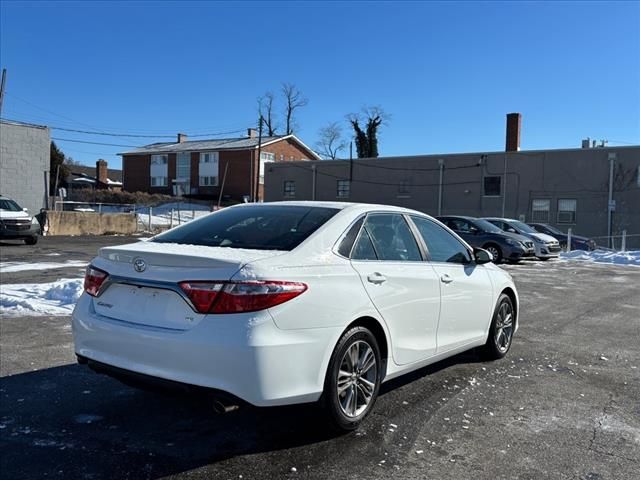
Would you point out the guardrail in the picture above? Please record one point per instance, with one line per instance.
(611, 240)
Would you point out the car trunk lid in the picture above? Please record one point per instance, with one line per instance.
(142, 287)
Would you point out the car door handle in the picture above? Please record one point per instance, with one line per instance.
(446, 278)
(377, 278)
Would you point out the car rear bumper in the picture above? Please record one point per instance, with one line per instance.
(244, 355)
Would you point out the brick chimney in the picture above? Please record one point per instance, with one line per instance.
(101, 173)
(182, 137)
(514, 125)
(252, 132)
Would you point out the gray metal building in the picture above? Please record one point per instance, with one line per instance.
(565, 188)
(24, 164)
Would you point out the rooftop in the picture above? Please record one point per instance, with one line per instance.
(240, 143)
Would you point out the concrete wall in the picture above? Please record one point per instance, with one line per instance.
(90, 223)
(580, 174)
(24, 164)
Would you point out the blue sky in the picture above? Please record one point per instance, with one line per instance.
(446, 72)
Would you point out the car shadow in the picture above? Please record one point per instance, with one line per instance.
(68, 421)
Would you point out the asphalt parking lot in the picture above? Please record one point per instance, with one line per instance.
(565, 402)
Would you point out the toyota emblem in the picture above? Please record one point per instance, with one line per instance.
(139, 265)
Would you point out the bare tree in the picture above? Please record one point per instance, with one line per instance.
(330, 141)
(293, 101)
(265, 110)
(367, 137)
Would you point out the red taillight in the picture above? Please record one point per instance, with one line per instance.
(237, 297)
(93, 280)
(201, 294)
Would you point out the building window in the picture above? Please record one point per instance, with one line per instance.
(206, 181)
(567, 210)
(265, 157)
(540, 210)
(289, 189)
(159, 181)
(492, 186)
(403, 187)
(208, 169)
(159, 159)
(343, 188)
(158, 170)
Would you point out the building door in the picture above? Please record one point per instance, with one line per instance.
(183, 174)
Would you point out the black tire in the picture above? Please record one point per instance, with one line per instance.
(331, 399)
(498, 346)
(495, 251)
(31, 240)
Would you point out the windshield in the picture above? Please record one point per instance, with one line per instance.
(523, 227)
(486, 226)
(552, 229)
(9, 205)
(259, 227)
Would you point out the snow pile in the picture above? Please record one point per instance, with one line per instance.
(11, 267)
(604, 256)
(53, 298)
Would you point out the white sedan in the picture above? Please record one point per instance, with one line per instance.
(293, 302)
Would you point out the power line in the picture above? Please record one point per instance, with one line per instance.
(93, 143)
(101, 129)
(371, 182)
(142, 136)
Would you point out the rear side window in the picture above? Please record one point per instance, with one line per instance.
(443, 247)
(363, 249)
(347, 242)
(392, 238)
(258, 227)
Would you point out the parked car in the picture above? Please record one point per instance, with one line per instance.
(292, 302)
(16, 223)
(577, 242)
(482, 234)
(546, 246)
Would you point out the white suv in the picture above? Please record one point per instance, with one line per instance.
(16, 223)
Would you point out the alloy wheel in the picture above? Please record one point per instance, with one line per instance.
(357, 379)
(504, 327)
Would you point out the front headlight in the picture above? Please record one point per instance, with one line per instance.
(537, 240)
(513, 242)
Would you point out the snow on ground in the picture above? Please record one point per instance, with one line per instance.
(53, 298)
(604, 256)
(11, 267)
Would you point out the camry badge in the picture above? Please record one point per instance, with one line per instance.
(139, 265)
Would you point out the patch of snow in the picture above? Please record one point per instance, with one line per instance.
(11, 267)
(53, 298)
(87, 418)
(603, 256)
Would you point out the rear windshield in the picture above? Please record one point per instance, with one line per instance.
(258, 227)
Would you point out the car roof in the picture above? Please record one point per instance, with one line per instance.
(344, 206)
(461, 217)
(501, 219)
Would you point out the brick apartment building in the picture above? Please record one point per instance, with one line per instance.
(229, 167)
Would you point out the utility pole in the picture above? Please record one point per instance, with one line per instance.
(504, 187)
(256, 184)
(350, 162)
(4, 81)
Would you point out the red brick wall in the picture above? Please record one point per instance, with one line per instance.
(135, 173)
(237, 184)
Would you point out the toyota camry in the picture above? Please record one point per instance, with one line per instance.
(293, 302)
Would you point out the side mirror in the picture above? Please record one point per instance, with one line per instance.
(25, 209)
(482, 256)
